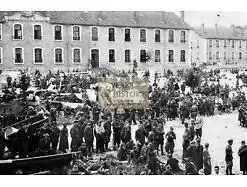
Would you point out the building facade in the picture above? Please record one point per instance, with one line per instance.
(226, 47)
(81, 40)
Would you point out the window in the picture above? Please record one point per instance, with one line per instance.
(182, 39)
(232, 43)
(240, 55)
(217, 43)
(157, 35)
(127, 55)
(157, 55)
(1, 55)
(197, 56)
(58, 32)
(111, 32)
(210, 55)
(232, 55)
(127, 35)
(240, 44)
(95, 34)
(76, 33)
(182, 56)
(18, 32)
(19, 55)
(210, 43)
(143, 56)
(38, 55)
(1, 27)
(111, 55)
(171, 36)
(37, 35)
(76, 55)
(142, 35)
(224, 55)
(198, 43)
(58, 55)
(217, 55)
(171, 56)
(225, 45)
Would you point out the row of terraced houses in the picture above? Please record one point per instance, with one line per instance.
(113, 40)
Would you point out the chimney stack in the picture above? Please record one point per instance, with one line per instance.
(182, 15)
(203, 28)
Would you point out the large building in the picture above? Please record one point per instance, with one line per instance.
(80, 40)
(226, 47)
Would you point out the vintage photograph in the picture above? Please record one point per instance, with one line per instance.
(123, 93)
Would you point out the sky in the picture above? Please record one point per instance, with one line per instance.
(226, 19)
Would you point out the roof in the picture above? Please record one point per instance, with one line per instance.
(146, 19)
(235, 32)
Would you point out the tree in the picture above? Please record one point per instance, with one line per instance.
(193, 78)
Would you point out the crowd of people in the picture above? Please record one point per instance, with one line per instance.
(95, 127)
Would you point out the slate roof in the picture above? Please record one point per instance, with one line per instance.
(146, 19)
(236, 33)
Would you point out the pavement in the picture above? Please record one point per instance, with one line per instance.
(216, 131)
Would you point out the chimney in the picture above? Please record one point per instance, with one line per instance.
(135, 15)
(203, 28)
(182, 15)
(216, 29)
(233, 30)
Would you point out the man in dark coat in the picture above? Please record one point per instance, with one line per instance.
(242, 153)
(2, 144)
(55, 136)
(186, 140)
(229, 157)
(140, 135)
(89, 137)
(64, 143)
(170, 136)
(75, 142)
(23, 142)
(107, 127)
(117, 127)
(198, 154)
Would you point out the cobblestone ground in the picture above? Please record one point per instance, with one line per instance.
(216, 131)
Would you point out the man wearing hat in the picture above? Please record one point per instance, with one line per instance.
(242, 153)
(88, 136)
(64, 143)
(117, 128)
(170, 136)
(229, 157)
(140, 135)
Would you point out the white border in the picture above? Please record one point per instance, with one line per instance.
(42, 51)
(90, 57)
(73, 62)
(91, 34)
(174, 38)
(1, 53)
(160, 36)
(124, 34)
(140, 35)
(54, 32)
(55, 55)
(109, 33)
(154, 55)
(15, 55)
(72, 31)
(129, 55)
(42, 32)
(13, 32)
(109, 55)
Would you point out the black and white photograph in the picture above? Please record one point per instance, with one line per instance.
(123, 92)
